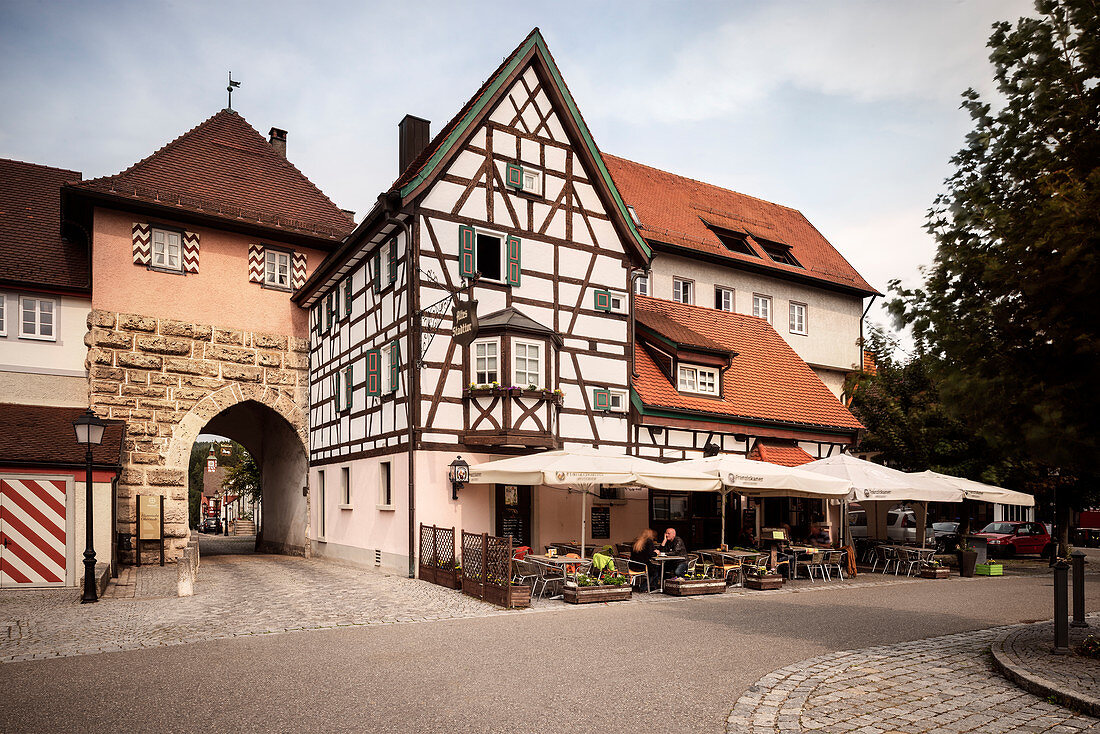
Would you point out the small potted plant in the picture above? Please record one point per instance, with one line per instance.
(968, 558)
(991, 568)
(761, 579)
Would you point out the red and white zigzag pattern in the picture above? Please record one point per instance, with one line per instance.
(32, 523)
(298, 272)
(143, 244)
(255, 263)
(190, 252)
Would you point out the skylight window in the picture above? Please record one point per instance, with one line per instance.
(779, 252)
(734, 241)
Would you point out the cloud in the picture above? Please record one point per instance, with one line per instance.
(861, 50)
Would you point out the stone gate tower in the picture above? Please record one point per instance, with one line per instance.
(196, 251)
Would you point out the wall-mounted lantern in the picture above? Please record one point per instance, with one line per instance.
(459, 473)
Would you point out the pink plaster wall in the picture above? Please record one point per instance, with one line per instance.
(220, 294)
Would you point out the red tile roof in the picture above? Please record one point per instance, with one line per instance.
(33, 434)
(783, 454)
(225, 168)
(31, 247)
(676, 210)
(766, 381)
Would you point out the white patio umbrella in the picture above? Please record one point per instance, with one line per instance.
(583, 469)
(876, 483)
(763, 479)
(984, 492)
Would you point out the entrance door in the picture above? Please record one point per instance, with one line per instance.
(32, 525)
(514, 513)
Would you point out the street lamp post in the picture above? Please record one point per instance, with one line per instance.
(89, 433)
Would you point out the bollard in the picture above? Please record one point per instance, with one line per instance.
(1061, 607)
(1078, 589)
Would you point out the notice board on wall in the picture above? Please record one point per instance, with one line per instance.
(601, 523)
(149, 517)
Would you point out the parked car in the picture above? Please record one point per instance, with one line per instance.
(1017, 538)
(947, 535)
(901, 525)
(211, 525)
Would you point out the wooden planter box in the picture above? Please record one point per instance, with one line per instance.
(513, 596)
(989, 569)
(764, 583)
(594, 594)
(449, 577)
(935, 573)
(693, 587)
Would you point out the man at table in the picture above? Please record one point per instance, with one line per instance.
(819, 537)
(674, 546)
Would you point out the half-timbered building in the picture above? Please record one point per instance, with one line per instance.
(509, 213)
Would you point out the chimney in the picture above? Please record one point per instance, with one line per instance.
(277, 138)
(413, 136)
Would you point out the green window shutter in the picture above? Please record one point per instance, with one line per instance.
(349, 385)
(374, 373)
(337, 392)
(466, 261)
(376, 273)
(395, 364)
(514, 175)
(329, 309)
(601, 399)
(393, 261)
(602, 300)
(347, 296)
(317, 319)
(512, 275)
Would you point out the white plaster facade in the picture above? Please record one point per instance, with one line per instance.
(44, 371)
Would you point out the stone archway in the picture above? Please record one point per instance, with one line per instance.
(168, 379)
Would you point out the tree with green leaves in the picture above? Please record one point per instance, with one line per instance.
(1010, 308)
(243, 480)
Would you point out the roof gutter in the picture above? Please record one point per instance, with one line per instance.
(737, 420)
(334, 259)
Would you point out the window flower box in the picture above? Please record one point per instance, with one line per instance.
(476, 391)
(694, 587)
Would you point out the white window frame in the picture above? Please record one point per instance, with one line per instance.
(641, 285)
(721, 291)
(759, 299)
(678, 291)
(385, 485)
(345, 487)
(271, 275)
(387, 371)
(617, 302)
(3, 314)
(689, 379)
(166, 253)
(532, 180)
(619, 396)
(503, 240)
(321, 505)
(37, 333)
(527, 344)
(795, 305)
(473, 361)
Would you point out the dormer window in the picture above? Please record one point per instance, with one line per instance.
(734, 241)
(703, 380)
(779, 252)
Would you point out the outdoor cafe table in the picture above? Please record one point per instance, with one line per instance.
(663, 560)
(563, 562)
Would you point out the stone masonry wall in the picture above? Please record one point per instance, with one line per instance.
(167, 379)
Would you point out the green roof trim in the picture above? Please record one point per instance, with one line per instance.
(475, 111)
(732, 420)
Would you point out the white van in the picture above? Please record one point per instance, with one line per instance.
(901, 525)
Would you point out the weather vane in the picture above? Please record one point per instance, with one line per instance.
(232, 85)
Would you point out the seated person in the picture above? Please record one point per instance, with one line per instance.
(643, 551)
(747, 539)
(819, 537)
(675, 546)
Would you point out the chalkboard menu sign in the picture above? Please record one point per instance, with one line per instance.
(601, 523)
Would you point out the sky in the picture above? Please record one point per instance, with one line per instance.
(846, 110)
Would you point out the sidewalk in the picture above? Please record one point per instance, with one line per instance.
(1025, 655)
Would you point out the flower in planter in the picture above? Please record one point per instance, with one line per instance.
(1090, 647)
(532, 387)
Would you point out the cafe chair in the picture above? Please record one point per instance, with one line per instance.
(633, 570)
(548, 574)
(525, 572)
(812, 561)
(721, 567)
(837, 559)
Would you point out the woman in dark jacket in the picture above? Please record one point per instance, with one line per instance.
(643, 551)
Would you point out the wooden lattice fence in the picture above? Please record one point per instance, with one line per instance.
(438, 563)
(487, 571)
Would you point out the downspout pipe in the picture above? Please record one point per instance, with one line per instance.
(391, 207)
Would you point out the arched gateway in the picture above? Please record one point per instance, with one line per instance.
(169, 381)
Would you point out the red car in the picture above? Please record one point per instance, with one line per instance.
(1017, 538)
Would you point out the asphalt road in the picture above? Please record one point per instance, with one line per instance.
(643, 667)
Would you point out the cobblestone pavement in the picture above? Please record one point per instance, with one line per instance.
(1025, 654)
(244, 594)
(942, 684)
